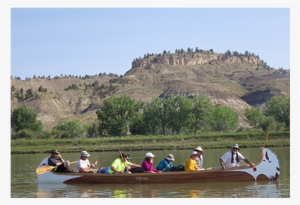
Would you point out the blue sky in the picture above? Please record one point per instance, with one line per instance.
(80, 41)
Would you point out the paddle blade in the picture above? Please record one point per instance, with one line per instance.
(44, 169)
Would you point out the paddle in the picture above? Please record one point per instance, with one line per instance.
(44, 169)
(123, 160)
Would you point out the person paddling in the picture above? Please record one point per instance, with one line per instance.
(56, 160)
(119, 164)
(83, 164)
(233, 157)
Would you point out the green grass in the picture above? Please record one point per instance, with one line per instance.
(169, 142)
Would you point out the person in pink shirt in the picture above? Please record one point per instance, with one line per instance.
(147, 164)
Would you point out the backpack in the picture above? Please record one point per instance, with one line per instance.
(103, 170)
(174, 169)
(136, 170)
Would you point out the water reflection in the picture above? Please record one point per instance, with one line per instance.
(194, 190)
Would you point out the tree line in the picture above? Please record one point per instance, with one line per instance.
(68, 76)
(123, 116)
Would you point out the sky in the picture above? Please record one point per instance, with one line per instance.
(72, 37)
(80, 41)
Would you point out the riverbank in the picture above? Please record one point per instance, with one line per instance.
(136, 143)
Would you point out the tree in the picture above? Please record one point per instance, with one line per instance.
(228, 53)
(137, 126)
(116, 115)
(279, 108)
(253, 115)
(28, 93)
(200, 110)
(69, 130)
(25, 118)
(223, 118)
(268, 123)
(92, 131)
(161, 113)
(13, 88)
(41, 89)
(150, 119)
(179, 112)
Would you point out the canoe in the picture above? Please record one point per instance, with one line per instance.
(267, 169)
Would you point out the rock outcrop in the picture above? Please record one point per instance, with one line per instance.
(193, 59)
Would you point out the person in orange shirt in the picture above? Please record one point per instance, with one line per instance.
(190, 164)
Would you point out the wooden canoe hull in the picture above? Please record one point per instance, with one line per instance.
(267, 169)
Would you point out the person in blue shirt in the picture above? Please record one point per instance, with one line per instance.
(165, 163)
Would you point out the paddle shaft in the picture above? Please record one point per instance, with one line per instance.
(123, 160)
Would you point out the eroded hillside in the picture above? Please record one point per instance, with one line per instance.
(234, 81)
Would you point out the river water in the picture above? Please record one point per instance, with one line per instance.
(23, 180)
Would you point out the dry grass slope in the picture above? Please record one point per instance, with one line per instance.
(231, 83)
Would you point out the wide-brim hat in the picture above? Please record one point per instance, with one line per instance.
(84, 154)
(194, 153)
(170, 157)
(198, 148)
(149, 154)
(235, 146)
(54, 151)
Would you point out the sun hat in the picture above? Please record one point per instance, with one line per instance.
(235, 146)
(149, 154)
(194, 153)
(84, 154)
(170, 157)
(198, 148)
(54, 151)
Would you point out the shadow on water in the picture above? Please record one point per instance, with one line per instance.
(191, 190)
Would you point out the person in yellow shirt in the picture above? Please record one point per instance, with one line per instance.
(190, 164)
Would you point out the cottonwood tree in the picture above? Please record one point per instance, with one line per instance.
(268, 123)
(25, 118)
(223, 118)
(200, 111)
(150, 119)
(253, 115)
(116, 115)
(179, 112)
(70, 129)
(279, 108)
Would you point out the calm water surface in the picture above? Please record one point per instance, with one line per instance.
(24, 180)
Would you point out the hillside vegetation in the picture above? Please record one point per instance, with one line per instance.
(235, 81)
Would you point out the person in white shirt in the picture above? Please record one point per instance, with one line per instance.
(233, 157)
(83, 164)
(199, 159)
